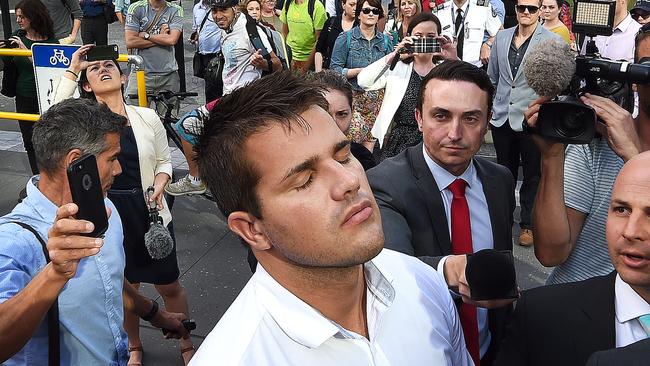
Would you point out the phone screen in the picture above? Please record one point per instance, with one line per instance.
(426, 45)
(86, 191)
(98, 53)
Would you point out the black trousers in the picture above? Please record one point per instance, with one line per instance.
(511, 146)
(28, 105)
(213, 89)
(94, 30)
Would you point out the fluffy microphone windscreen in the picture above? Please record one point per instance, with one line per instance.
(158, 241)
(491, 275)
(549, 67)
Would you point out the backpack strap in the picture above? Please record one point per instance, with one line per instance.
(311, 4)
(54, 356)
(253, 33)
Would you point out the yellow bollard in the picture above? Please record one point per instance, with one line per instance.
(142, 90)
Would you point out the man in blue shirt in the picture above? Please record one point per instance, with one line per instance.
(94, 28)
(85, 274)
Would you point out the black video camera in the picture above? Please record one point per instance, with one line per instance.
(569, 120)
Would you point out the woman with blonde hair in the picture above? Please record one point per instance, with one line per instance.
(397, 26)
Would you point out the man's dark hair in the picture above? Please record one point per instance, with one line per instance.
(277, 99)
(73, 124)
(456, 70)
(332, 80)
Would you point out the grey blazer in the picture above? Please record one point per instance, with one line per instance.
(513, 95)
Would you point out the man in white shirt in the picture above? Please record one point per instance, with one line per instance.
(564, 324)
(620, 45)
(324, 292)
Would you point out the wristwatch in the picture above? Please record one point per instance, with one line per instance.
(147, 35)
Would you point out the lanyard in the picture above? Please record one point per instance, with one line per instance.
(453, 19)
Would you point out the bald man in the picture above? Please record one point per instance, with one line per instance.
(564, 324)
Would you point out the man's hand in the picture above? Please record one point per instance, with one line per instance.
(547, 148)
(171, 321)
(485, 53)
(258, 61)
(455, 276)
(66, 244)
(618, 127)
(164, 29)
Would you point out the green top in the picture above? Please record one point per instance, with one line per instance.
(302, 29)
(26, 84)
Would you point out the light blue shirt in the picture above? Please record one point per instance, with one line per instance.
(210, 34)
(90, 305)
(500, 10)
(479, 218)
(122, 5)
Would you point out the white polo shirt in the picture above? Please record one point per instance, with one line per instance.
(411, 318)
(479, 17)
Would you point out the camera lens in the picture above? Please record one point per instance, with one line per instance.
(572, 125)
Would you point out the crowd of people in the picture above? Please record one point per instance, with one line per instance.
(364, 118)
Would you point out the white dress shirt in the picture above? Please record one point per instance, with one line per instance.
(620, 45)
(479, 217)
(411, 321)
(629, 306)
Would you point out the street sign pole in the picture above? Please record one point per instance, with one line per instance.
(179, 53)
(6, 18)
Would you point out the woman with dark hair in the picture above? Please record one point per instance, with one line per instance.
(331, 30)
(354, 50)
(402, 85)
(145, 161)
(338, 93)
(35, 27)
(551, 16)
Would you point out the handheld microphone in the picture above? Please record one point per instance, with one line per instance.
(491, 275)
(393, 63)
(157, 239)
(549, 68)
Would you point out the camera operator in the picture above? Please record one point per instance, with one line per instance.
(575, 187)
(86, 275)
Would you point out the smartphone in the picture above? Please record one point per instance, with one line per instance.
(425, 45)
(98, 53)
(86, 190)
(8, 43)
(259, 45)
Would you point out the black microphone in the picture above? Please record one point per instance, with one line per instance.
(393, 63)
(491, 275)
(157, 239)
(549, 68)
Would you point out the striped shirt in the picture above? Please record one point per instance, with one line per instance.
(589, 174)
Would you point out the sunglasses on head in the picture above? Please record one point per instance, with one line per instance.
(532, 9)
(370, 10)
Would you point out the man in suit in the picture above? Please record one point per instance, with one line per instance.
(636, 354)
(414, 190)
(513, 95)
(564, 324)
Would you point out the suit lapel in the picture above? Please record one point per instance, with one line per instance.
(534, 40)
(505, 49)
(433, 200)
(599, 310)
(495, 202)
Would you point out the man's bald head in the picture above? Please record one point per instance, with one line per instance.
(628, 224)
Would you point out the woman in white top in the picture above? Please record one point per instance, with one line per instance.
(402, 84)
(145, 161)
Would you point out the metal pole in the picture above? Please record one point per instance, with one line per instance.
(179, 53)
(6, 18)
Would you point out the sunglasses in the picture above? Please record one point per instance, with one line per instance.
(532, 9)
(640, 14)
(370, 10)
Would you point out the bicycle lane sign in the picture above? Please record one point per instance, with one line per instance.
(50, 62)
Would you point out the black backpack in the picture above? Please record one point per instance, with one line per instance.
(275, 39)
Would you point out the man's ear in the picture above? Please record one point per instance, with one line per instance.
(70, 157)
(249, 228)
(418, 118)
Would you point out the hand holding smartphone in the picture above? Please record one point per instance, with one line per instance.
(98, 53)
(7, 43)
(86, 191)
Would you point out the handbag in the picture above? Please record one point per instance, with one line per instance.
(9, 78)
(109, 12)
(198, 64)
(214, 69)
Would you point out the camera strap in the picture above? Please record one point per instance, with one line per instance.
(54, 350)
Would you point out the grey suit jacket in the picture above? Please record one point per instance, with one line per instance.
(513, 95)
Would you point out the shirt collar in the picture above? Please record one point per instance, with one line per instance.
(463, 8)
(625, 24)
(306, 325)
(629, 305)
(443, 178)
(35, 199)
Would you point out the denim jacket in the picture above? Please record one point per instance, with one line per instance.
(360, 52)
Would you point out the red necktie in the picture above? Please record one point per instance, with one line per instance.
(461, 243)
